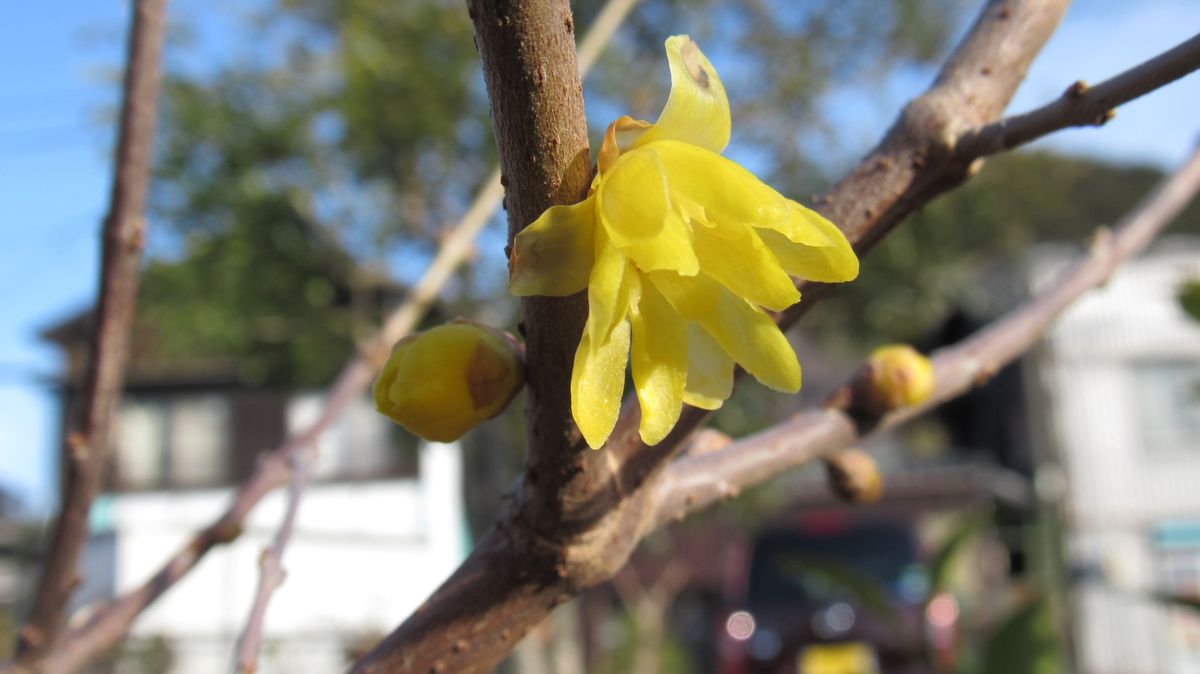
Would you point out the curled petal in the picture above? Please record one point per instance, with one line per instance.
(598, 381)
(660, 363)
(744, 265)
(637, 214)
(697, 110)
(811, 247)
(619, 137)
(553, 255)
(747, 334)
(710, 371)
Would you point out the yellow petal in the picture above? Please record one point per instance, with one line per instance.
(719, 188)
(743, 264)
(747, 334)
(612, 288)
(553, 255)
(659, 358)
(637, 214)
(597, 383)
(811, 247)
(710, 371)
(697, 111)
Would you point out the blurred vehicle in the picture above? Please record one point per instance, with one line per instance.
(835, 595)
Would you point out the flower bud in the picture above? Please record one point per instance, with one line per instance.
(854, 476)
(899, 376)
(441, 383)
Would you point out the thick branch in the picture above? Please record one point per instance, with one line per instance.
(528, 56)
(85, 452)
(696, 482)
(1082, 105)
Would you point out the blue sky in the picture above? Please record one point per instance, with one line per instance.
(53, 146)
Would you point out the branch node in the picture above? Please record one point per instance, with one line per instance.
(1076, 91)
(226, 531)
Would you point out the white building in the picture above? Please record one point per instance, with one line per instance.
(1118, 380)
(365, 552)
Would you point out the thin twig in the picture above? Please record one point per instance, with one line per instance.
(85, 451)
(271, 572)
(688, 485)
(111, 621)
(1081, 105)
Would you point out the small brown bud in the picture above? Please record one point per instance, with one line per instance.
(854, 476)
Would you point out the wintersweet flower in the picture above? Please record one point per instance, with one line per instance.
(681, 251)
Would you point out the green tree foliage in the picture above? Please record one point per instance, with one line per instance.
(1189, 298)
(1024, 642)
(350, 139)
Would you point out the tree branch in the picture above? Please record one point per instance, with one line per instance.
(85, 452)
(688, 485)
(1081, 105)
(271, 571)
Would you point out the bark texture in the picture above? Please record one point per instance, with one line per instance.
(85, 452)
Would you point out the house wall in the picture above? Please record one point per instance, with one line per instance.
(1131, 462)
(363, 555)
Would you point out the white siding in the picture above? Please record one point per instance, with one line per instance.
(1119, 488)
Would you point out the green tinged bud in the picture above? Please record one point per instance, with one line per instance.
(441, 383)
(899, 377)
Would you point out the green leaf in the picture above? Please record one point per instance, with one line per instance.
(947, 554)
(1189, 298)
(1025, 642)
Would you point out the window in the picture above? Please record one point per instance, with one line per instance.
(1168, 403)
(172, 441)
(359, 445)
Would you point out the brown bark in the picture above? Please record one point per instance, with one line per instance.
(527, 49)
(85, 451)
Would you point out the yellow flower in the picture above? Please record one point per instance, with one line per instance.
(441, 383)
(680, 250)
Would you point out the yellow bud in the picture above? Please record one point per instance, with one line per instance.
(441, 383)
(854, 476)
(899, 376)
